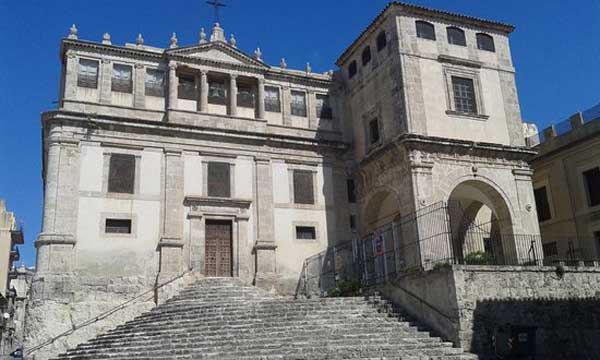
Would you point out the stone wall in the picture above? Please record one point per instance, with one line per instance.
(469, 305)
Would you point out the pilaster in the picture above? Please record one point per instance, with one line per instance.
(203, 91)
(285, 106)
(71, 73)
(105, 81)
(261, 99)
(139, 86)
(310, 111)
(265, 246)
(173, 84)
(233, 95)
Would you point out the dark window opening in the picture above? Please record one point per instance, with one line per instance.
(121, 174)
(303, 187)
(155, 83)
(592, 181)
(381, 41)
(350, 189)
(187, 88)
(366, 55)
(118, 226)
(217, 92)
(373, 131)
(597, 237)
(245, 96)
(456, 36)
(272, 102)
(352, 69)
(542, 204)
(464, 95)
(550, 249)
(88, 73)
(122, 79)
(306, 233)
(298, 103)
(323, 107)
(485, 42)
(425, 30)
(352, 222)
(218, 179)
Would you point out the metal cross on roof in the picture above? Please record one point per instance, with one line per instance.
(216, 4)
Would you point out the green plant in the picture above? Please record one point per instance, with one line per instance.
(479, 258)
(345, 288)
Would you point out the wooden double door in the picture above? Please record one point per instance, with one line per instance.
(218, 250)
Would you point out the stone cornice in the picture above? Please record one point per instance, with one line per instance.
(67, 44)
(234, 52)
(192, 200)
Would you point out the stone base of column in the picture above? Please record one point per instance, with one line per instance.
(265, 275)
(171, 256)
(54, 253)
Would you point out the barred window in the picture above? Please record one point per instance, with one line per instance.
(272, 102)
(121, 174)
(306, 233)
(217, 92)
(456, 36)
(464, 95)
(542, 204)
(381, 41)
(303, 187)
(118, 226)
(373, 131)
(592, 182)
(218, 179)
(122, 80)
(366, 55)
(352, 69)
(186, 88)
(155, 82)
(425, 30)
(485, 42)
(88, 73)
(245, 96)
(323, 107)
(298, 103)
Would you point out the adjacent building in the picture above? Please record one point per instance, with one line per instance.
(567, 187)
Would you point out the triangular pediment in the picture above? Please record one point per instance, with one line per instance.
(217, 52)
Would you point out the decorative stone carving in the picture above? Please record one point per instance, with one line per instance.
(106, 39)
(139, 41)
(73, 32)
(308, 68)
(218, 34)
(202, 36)
(258, 54)
(232, 41)
(173, 41)
(283, 64)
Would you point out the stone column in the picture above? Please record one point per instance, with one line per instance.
(527, 215)
(171, 243)
(203, 91)
(233, 95)
(139, 88)
(70, 76)
(173, 84)
(104, 85)
(261, 99)
(265, 246)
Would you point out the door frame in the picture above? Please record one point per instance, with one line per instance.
(231, 223)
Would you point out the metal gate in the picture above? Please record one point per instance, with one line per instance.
(218, 248)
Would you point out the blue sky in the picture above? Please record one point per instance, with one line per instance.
(555, 50)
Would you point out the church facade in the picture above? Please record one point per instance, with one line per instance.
(205, 159)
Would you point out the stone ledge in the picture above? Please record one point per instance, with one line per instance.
(54, 239)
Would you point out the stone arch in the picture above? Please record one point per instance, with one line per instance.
(381, 207)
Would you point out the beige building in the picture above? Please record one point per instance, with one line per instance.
(11, 235)
(567, 187)
(204, 159)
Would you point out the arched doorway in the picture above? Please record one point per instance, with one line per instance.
(481, 225)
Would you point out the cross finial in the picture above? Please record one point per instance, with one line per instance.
(216, 4)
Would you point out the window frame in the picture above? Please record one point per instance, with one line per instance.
(381, 44)
(246, 96)
(113, 219)
(311, 229)
(481, 45)
(119, 85)
(465, 101)
(272, 106)
(217, 100)
(419, 30)
(310, 175)
(110, 174)
(185, 95)
(586, 187)
(366, 55)
(463, 36)
(154, 90)
(225, 194)
(297, 110)
(370, 142)
(548, 203)
(323, 110)
(83, 80)
(450, 71)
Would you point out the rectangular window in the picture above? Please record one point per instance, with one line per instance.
(306, 233)
(88, 73)
(187, 87)
(352, 222)
(350, 188)
(464, 95)
(543, 206)
(121, 174)
(303, 187)
(352, 69)
(122, 79)
(217, 92)
(373, 131)
(550, 249)
(155, 83)
(323, 107)
(592, 182)
(118, 226)
(218, 179)
(245, 96)
(298, 103)
(272, 102)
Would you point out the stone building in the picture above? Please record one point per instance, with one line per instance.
(205, 159)
(567, 187)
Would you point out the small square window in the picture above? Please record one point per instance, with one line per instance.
(306, 233)
(425, 30)
(485, 42)
(155, 83)
(464, 95)
(298, 103)
(88, 73)
(219, 179)
(456, 36)
(374, 131)
(121, 174)
(272, 102)
(303, 187)
(118, 226)
(542, 204)
(592, 182)
(122, 79)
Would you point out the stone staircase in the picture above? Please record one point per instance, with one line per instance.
(220, 318)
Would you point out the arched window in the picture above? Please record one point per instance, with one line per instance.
(352, 69)
(485, 42)
(456, 36)
(366, 55)
(381, 41)
(425, 30)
